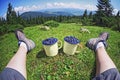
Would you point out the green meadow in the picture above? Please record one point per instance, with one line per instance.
(80, 66)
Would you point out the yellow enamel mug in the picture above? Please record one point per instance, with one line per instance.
(70, 45)
(50, 46)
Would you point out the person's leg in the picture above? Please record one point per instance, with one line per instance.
(105, 68)
(103, 60)
(16, 68)
(18, 61)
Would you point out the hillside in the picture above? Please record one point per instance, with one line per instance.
(80, 66)
(53, 12)
(33, 14)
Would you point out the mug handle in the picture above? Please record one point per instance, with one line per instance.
(60, 44)
(79, 47)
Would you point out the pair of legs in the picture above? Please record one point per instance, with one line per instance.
(103, 61)
(18, 61)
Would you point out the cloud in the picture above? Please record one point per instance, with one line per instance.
(71, 5)
(115, 11)
(22, 9)
(4, 16)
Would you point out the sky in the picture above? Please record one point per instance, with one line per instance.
(37, 5)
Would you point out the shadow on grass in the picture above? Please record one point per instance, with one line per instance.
(92, 75)
(41, 54)
(60, 51)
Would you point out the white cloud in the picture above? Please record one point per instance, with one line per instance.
(90, 7)
(71, 5)
(4, 16)
(49, 5)
(22, 9)
(115, 11)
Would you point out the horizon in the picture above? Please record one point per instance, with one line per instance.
(37, 5)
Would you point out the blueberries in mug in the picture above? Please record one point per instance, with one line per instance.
(49, 41)
(71, 40)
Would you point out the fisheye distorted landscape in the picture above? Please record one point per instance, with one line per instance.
(42, 19)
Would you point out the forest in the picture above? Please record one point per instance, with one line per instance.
(103, 17)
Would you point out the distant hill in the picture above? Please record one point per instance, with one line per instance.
(73, 11)
(53, 12)
(34, 14)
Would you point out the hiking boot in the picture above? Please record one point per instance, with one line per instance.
(104, 36)
(22, 38)
(92, 43)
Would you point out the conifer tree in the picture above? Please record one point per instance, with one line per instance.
(11, 15)
(104, 12)
(85, 14)
(104, 8)
(118, 14)
(90, 14)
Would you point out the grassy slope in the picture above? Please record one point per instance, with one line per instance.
(80, 66)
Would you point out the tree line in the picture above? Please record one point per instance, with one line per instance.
(102, 17)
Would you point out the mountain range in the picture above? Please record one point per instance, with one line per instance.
(53, 12)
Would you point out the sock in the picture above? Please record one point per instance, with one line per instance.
(23, 44)
(100, 44)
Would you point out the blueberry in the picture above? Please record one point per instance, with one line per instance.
(49, 41)
(71, 40)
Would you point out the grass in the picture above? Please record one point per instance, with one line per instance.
(80, 66)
